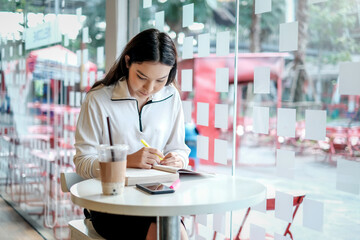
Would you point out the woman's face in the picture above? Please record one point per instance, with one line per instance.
(147, 78)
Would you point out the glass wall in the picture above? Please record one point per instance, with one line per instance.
(51, 53)
(295, 96)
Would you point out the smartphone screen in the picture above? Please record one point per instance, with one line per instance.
(155, 188)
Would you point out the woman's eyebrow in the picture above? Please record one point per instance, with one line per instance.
(147, 76)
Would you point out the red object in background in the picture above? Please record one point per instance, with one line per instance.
(204, 81)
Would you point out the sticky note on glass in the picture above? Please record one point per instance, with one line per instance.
(349, 78)
(100, 55)
(262, 6)
(188, 48)
(283, 206)
(286, 122)
(147, 3)
(99, 75)
(85, 56)
(288, 39)
(285, 163)
(315, 124)
(186, 80)
(313, 214)
(202, 114)
(159, 20)
(261, 120)
(220, 151)
(85, 35)
(202, 219)
(348, 176)
(219, 222)
(187, 15)
(221, 116)
(187, 108)
(202, 146)
(92, 78)
(222, 43)
(11, 51)
(262, 80)
(204, 45)
(261, 207)
(222, 80)
(257, 232)
(20, 50)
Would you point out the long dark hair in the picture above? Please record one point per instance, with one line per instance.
(149, 45)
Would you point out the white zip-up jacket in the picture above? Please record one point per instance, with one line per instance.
(160, 123)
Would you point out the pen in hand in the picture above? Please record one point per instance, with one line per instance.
(147, 145)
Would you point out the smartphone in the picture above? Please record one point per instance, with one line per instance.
(155, 188)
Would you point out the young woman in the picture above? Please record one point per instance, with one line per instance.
(139, 96)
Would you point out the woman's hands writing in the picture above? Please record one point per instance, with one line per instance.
(144, 158)
(173, 159)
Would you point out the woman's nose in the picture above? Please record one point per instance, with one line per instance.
(149, 86)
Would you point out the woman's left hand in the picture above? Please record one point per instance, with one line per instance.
(172, 159)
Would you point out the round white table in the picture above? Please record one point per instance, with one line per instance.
(195, 195)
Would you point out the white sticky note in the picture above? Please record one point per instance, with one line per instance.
(188, 48)
(261, 207)
(3, 52)
(349, 78)
(188, 15)
(66, 118)
(78, 99)
(313, 214)
(315, 124)
(220, 151)
(85, 81)
(72, 79)
(261, 120)
(278, 236)
(283, 206)
(66, 40)
(288, 39)
(85, 35)
(262, 6)
(99, 75)
(187, 108)
(285, 163)
(202, 219)
(100, 55)
(316, 1)
(202, 114)
(257, 232)
(219, 222)
(348, 176)
(223, 43)
(186, 80)
(222, 80)
(11, 51)
(202, 146)
(286, 122)
(221, 116)
(147, 3)
(159, 20)
(20, 49)
(262, 80)
(204, 45)
(78, 57)
(85, 56)
(92, 78)
(72, 98)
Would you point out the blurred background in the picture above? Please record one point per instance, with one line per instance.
(53, 51)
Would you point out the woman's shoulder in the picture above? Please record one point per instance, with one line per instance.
(100, 92)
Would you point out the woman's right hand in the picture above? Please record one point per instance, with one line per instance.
(144, 158)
